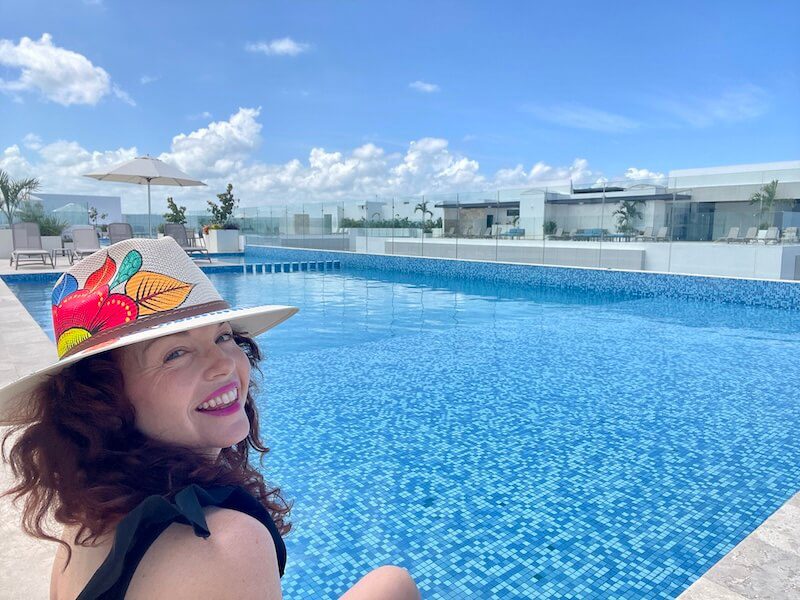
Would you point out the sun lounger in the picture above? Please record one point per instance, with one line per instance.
(645, 236)
(772, 236)
(761, 237)
(662, 235)
(178, 233)
(751, 235)
(27, 242)
(119, 231)
(558, 235)
(733, 236)
(789, 235)
(85, 240)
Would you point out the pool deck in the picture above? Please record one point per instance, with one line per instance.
(766, 564)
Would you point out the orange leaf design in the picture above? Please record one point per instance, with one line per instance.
(154, 292)
(102, 276)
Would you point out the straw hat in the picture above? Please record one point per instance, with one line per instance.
(130, 292)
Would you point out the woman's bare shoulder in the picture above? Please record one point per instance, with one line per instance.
(238, 560)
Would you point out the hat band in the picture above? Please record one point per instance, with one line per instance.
(146, 322)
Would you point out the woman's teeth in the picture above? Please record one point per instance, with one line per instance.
(220, 401)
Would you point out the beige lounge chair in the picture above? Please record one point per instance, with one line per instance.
(178, 232)
(27, 242)
(557, 235)
(645, 236)
(85, 241)
(789, 235)
(662, 235)
(733, 236)
(771, 236)
(751, 235)
(119, 231)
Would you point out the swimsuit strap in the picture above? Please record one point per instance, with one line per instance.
(140, 528)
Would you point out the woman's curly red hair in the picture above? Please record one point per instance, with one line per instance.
(80, 460)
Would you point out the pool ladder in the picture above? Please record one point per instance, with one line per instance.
(292, 267)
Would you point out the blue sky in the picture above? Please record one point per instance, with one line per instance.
(350, 98)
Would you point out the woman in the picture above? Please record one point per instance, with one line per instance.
(137, 440)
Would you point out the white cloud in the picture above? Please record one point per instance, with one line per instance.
(731, 106)
(279, 47)
(123, 95)
(224, 151)
(60, 75)
(634, 174)
(199, 116)
(424, 87)
(583, 117)
(32, 141)
(220, 147)
(542, 172)
(147, 79)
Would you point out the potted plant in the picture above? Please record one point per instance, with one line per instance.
(222, 235)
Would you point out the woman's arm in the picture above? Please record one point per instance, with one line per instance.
(237, 561)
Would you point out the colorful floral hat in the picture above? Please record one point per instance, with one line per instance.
(130, 292)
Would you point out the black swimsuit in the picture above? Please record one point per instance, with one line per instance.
(140, 528)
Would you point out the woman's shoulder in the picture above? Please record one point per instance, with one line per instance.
(237, 560)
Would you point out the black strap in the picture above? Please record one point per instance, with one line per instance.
(140, 528)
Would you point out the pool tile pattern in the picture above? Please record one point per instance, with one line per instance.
(752, 292)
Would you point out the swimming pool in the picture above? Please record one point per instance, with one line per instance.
(508, 442)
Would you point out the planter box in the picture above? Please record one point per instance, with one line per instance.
(222, 240)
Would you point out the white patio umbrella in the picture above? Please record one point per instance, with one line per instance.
(146, 170)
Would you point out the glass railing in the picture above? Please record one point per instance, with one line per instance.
(697, 224)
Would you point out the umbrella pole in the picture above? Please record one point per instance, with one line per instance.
(149, 224)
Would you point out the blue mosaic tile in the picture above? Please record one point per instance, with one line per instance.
(775, 294)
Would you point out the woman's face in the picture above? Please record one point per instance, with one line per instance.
(189, 389)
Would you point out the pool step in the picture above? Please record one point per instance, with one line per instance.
(292, 267)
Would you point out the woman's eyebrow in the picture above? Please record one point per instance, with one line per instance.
(160, 339)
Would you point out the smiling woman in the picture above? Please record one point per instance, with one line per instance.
(137, 440)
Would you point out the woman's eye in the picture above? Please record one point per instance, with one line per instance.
(225, 337)
(174, 354)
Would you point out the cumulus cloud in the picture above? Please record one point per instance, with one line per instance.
(424, 87)
(279, 47)
(634, 174)
(32, 141)
(583, 117)
(219, 148)
(224, 150)
(60, 75)
(542, 172)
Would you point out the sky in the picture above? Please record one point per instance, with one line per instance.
(302, 101)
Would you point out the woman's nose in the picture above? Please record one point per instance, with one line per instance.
(219, 362)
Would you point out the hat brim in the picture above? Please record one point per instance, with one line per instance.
(14, 397)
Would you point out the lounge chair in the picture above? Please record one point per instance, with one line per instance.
(772, 236)
(451, 232)
(761, 237)
(178, 232)
(558, 235)
(789, 235)
(85, 240)
(645, 236)
(662, 235)
(27, 242)
(751, 235)
(119, 231)
(733, 236)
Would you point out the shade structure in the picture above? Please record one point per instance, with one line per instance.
(146, 170)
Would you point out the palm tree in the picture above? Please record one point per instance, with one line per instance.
(423, 208)
(627, 212)
(14, 192)
(766, 197)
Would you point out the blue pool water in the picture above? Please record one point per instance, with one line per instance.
(510, 443)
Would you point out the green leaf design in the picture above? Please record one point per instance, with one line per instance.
(130, 265)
